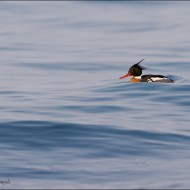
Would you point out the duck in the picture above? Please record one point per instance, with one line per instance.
(136, 72)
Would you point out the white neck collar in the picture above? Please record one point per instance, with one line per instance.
(137, 77)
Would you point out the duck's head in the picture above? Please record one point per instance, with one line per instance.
(135, 70)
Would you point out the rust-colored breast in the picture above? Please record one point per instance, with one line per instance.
(133, 80)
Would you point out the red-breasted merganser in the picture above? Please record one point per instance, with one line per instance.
(136, 70)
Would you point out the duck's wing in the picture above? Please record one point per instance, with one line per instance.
(156, 78)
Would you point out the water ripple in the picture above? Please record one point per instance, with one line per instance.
(97, 139)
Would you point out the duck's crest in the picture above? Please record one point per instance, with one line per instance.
(137, 64)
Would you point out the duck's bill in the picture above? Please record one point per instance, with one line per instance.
(127, 75)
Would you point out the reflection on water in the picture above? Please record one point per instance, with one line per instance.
(66, 119)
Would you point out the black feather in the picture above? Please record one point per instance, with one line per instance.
(137, 64)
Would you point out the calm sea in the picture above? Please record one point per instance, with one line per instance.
(67, 121)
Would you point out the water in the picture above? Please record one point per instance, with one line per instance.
(66, 121)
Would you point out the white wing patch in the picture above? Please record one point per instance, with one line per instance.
(154, 79)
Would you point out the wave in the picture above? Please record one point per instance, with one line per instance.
(91, 140)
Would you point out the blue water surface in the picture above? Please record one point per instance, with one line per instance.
(67, 121)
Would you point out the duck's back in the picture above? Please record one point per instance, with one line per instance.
(156, 78)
